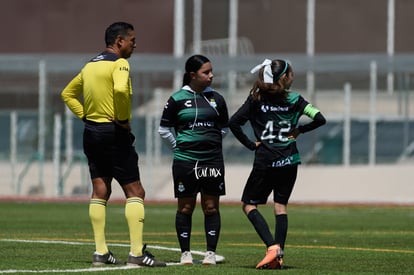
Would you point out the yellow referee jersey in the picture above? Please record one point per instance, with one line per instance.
(105, 85)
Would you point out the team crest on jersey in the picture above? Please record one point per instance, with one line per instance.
(181, 187)
(213, 103)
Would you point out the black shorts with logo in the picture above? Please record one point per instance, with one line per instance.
(110, 152)
(264, 179)
(191, 178)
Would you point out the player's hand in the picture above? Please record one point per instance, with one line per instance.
(294, 134)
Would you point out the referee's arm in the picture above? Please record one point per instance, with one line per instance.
(70, 95)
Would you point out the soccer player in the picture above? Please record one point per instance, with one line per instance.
(199, 117)
(105, 86)
(273, 112)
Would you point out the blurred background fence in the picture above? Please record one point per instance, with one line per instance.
(367, 123)
(357, 69)
(35, 82)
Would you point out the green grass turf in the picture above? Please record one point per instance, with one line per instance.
(321, 239)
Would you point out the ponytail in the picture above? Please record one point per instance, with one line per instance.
(278, 68)
(186, 78)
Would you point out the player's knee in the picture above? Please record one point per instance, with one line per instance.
(134, 189)
(248, 207)
(186, 211)
(210, 210)
(101, 194)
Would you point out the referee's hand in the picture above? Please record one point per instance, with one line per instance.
(122, 124)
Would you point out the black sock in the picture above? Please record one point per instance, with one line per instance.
(183, 229)
(261, 227)
(212, 225)
(281, 229)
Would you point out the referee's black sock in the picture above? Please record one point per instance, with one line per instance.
(212, 225)
(183, 228)
(261, 227)
(281, 229)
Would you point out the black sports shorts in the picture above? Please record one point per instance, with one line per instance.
(110, 152)
(191, 178)
(263, 180)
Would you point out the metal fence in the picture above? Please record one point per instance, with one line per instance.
(368, 122)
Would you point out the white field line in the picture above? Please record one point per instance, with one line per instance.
(92, 269)
(219, 258)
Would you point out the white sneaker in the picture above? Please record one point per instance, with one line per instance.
(209, 258)
(186, 258)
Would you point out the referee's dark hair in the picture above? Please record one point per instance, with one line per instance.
(115, 29)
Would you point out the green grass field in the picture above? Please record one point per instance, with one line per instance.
(56, 238)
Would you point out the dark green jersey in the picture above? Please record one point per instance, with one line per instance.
(272, 119)
(197, 119)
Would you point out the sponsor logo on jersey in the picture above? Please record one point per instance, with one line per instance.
(207, 172)
(221, 186)
(99, 57)
(188, 104)
(211, 233)
(282, 162)
(201, 124)
(266, 108)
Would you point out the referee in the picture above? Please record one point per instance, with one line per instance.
(104, 85)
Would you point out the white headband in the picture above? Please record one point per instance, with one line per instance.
(267, 72)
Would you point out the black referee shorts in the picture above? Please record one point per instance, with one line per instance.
(110, 152)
